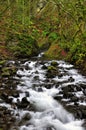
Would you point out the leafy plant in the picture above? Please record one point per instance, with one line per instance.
(53, 36)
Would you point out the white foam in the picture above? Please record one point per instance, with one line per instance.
(64, 65)
(42, 101)
(40, 55)
(43, 123)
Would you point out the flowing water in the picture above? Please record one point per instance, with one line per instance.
(43, 111)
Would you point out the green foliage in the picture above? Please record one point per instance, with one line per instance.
(24, 47)
(62, 21)
(25, 38)
(77, 52)
(45, 33)
(53, 36)
(51, 68)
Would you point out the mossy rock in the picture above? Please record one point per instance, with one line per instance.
(8, 71)
(51, 68)
(54, 63)
(5, 72)
(51, 72)
(2, 62)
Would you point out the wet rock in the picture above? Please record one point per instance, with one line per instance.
(83, 86)
(24, 119)
(48, 86)
(5, 72)
(40, 90)
(67, 94)
(8, 71)
(27, 94)
(60, 75)
(44, 67)
(15, 94)
(84, 91)
(6, 118)
(23, 104)
(36, 77)
(54, 63)
(27, 67)
(36, 72)
(52, 69)
(83, 113)
(58, 97)
(78, 88)
(76, 103)
(21, 68)
(4, 96)
(79, 114)
(51, 72)
(72, 109)
(61, 92)
(50, 128)
(79, 111)
(71, 79)
(74, 99)
(68, 88)
(42, 62)
(19, 75)
(7, 112)
(9, 100)
(27, 116)
(47, 80)
(31, 108)
(67, 91)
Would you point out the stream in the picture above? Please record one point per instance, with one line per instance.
(48, 95)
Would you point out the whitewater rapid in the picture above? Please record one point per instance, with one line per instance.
(49, 114)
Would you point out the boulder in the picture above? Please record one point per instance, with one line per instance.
(8, 71)
(54, 63)
(23, 104)
(51, 72)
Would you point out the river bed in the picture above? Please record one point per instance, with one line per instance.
(47, 95)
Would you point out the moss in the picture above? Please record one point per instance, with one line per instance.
(7, 71)
(24, 47)
(51, 71)
(2, 62)
(54, 63)
(51, 68)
